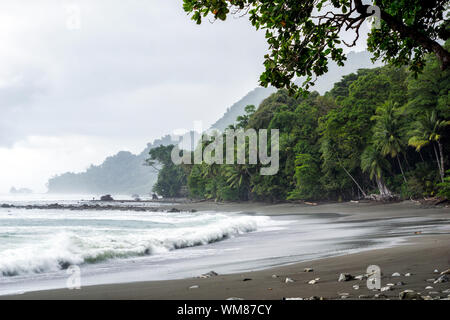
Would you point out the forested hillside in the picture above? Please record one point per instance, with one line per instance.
(123, 173)
(378, 131)
(356, 61)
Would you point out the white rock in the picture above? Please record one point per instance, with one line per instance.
(442, 279)
(288, 280)
(345, 277)
(390, 285)
(356, 287)
(408, 274)
(445, 272)
(312, 281)
(274, 276)
(194, 287)
(295, 298)
(429, 288)
(396, 274)
(436, 271)
(234, 298)
(308, 270)
(387, 288)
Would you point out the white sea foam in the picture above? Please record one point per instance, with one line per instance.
(37, 242)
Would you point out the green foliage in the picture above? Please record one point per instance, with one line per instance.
(304, 35)
(171, 178)
(306, 172)
(444, 187)
(354, 140)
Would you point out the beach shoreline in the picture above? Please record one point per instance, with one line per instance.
(420, 256)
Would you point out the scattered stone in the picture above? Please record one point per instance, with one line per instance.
(296, 298)
(315, 298)
(436, 271)
(408, 274)
(409, 295)
(396, 274)
(387, 288)
(446, 291)
(247, 279)
(427, 298)
(234, 298)
(380, 296)
(430, 280)
(308, 270)
(345, 277)
(209, 275)
(356, 287)
(400, 283)
(194, 287)
(274, 276)
(433, 293)
(363, 296)
(288, 280)
(106, 197)
(445, 272)
(361, 277)
(442, 279)
(314, 281)
(390, 285)
(429, 288)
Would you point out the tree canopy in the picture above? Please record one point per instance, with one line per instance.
(378, 133)
(303, 35)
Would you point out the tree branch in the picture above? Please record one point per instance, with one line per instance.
(410, 32)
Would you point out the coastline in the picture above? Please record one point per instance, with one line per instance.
(433, 250)
(434, 253)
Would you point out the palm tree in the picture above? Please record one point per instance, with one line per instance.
(389, 132)
(428, 130)
(238, 176)
(373, 162)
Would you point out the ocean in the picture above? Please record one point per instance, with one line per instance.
(37, 246)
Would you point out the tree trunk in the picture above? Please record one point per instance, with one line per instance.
(357, 184)
(406, 160)
(438, 163)
(441, 153)
(384, 191)
(401, 169)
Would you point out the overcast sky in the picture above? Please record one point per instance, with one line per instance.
(73, 91)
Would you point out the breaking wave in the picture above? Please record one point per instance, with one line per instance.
(53, 251)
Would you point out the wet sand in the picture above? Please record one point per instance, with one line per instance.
(420, 256)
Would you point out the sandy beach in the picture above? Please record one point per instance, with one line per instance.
(420, 255)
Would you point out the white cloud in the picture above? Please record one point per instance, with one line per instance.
(134, 71)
